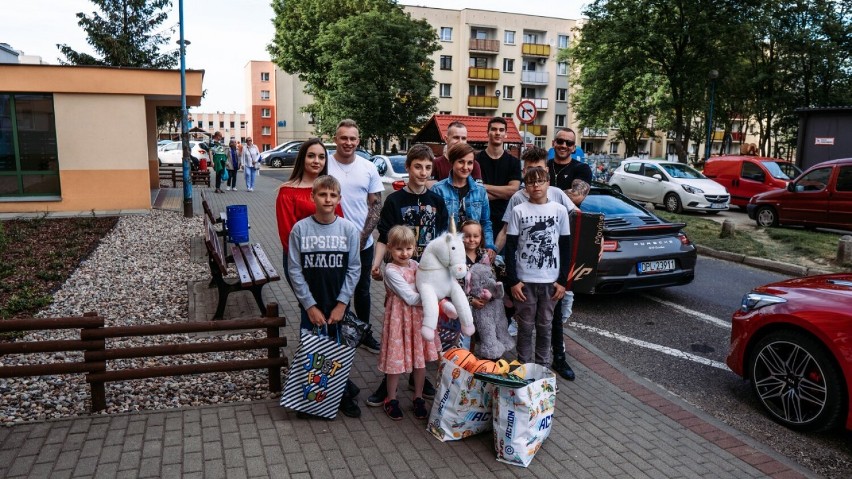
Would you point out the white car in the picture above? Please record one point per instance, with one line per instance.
(171, 154)
(391, 168)
(674, 185)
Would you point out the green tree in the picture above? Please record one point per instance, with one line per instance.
(124, 33)
(362, 59)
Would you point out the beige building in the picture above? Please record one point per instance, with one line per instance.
(232, 125)
(81, 138)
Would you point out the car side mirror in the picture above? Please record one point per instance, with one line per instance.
(658, 176)
(791, 187)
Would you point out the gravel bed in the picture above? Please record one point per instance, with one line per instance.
(137, 275)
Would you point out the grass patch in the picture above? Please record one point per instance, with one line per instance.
(787, 245)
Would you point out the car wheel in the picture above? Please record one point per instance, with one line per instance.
(766, 216)
(797, 382)
(276, 163)
(672, 203)
(617, 189)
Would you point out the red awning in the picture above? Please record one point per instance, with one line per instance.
(435, 130)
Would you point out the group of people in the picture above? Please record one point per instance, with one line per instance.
(227, 161)
(331, 204)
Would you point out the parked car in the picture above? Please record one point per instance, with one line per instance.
(286, 144)
(640, 250)
(821, 196)
(286, 156)
(391, 168)
(674, 185)
(746, 176)
(792, 340)
(172, 153)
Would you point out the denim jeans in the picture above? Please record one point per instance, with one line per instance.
(251, 174)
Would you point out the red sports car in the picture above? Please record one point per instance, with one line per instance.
(793, 340)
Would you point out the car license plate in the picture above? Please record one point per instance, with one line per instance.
(717, 206)
(659, 266)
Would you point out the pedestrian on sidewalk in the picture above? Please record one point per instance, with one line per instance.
(324, 264)
(250, 159)
(422, 211)
(362, 203)
(403, 348)
(233, 165)
(219, 158)
(295, 201)
(538, 249)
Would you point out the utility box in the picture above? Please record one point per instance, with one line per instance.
(824, 134)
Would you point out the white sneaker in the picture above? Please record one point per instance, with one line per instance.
(234, 188)
(228, 188)
(513, 328)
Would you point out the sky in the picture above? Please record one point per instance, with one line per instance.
(223, 35)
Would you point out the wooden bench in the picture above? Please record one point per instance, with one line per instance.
(252, 264)
(200, 177)
(175, 175)
(172, 175)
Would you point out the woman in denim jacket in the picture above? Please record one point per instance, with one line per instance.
(465, 198)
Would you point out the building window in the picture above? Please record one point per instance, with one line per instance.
(476, 90)
(508, 65)
(528, 93)
(445, 90)
(265, 130)
(266, 112)
(209, 125)
(509, 37)
(613, 148)
(445, 113)
(479, 62)
(561, 94)
(232, 124)
(507, 115)
(242, 125)
(478, 34)
(221, 124)
(530, 38)
(201, 124)
(560, 121)
(267, 146)
(562, 68)
(562, 41)
(264, 76)
(32, 170)
(446, 34)
(509, 92)
(446, 62)
(264, 94)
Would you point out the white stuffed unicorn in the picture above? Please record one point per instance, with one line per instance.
(442, 263)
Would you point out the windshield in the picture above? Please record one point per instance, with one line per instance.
(397, 163)
(611, 206)
(782, 171)
(678, 170)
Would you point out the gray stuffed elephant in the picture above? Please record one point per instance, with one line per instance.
(490, 321)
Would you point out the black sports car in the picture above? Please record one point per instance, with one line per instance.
(640, 250)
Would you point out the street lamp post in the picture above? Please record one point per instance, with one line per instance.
(714, 74)
(184, 128)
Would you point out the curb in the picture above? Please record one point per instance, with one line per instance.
(767, 264)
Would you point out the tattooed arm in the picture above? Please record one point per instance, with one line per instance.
(578, 191)
(374, 208)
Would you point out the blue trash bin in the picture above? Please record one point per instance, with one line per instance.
(238, 223)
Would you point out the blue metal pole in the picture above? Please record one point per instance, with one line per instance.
(184, 128)
(710, 119)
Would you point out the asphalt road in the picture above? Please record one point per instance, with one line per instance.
(679, 337)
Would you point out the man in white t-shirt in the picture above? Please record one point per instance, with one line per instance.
(361, 200)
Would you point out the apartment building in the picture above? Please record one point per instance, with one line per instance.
(260, 80)
(232, 125)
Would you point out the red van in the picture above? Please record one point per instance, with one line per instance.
(746, 176)
(821, 196)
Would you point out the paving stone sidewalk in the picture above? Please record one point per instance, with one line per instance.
(607, 424)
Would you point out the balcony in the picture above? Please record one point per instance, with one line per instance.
(535, 130)
(483, 74)
(595, 133)
(540, 103)
(484, 46)
(534, 78)
(489, 102)
(535, 50)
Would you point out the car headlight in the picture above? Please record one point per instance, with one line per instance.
(754, 301)
(692, 190)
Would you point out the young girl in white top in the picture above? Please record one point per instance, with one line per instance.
(403, 348)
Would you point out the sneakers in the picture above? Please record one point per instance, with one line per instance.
(369, 343)
(234, 188)
(420, 411)
(349, 408)
(392, 409)
(428, 388)
(560, 365)
(513, 327)
(378, 398)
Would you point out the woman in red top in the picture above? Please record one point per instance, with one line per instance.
(294, 196)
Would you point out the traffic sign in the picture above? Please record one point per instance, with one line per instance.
(526, 112)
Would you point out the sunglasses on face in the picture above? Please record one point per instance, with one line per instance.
(560, 142)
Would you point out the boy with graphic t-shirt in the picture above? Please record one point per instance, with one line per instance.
(324, 262)
(538, 252)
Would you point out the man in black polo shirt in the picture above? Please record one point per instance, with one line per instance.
(572, 176)
(501, 172)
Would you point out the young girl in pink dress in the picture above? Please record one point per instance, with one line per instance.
(403, 348)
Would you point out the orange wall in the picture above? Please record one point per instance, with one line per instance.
(99, 190)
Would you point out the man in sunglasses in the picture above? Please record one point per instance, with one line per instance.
(571, 176)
